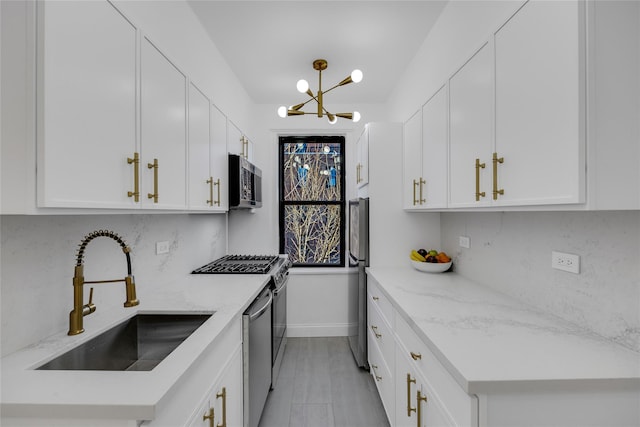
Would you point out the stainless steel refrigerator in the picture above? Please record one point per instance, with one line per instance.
(359, 256)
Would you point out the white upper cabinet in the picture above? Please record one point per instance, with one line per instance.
(219, 161)
(412, 161)
(86, 105)
(163, 130)
(200, 189)
(425, 155)
(238, 143)
(540, 105)
(362, 159)
(471, 131)
(434, 151)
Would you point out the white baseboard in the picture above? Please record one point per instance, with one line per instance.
(321, 330)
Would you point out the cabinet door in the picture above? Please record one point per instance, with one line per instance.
(406, 389)
(200, 187)
(362, 155)
(219, 159)
(236, 141)
(229, 394)
(539, 105)
(163, 130)
(471, 130)
(412, 161)
(434, 151)
(87, 105)
(429, 410)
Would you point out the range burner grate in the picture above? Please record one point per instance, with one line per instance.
(239, 264)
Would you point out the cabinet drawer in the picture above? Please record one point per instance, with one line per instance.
(379, 300)
(382, 377)
(380, 332)
(460, 405)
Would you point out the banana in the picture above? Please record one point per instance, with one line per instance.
(417, 257)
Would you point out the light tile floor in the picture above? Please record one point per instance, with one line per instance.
(320, 385)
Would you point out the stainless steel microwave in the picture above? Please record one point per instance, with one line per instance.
(245, 183)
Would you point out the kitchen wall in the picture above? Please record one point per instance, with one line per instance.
(511, 253)
(38, 258)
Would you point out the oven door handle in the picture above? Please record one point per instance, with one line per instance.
(281, 288)
(262, 309)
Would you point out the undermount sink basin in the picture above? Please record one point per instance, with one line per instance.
(137, 344)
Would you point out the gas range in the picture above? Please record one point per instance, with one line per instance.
(246, 264)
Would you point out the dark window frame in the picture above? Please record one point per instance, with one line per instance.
(342, 203)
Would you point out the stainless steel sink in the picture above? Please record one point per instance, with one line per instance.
(137, 344)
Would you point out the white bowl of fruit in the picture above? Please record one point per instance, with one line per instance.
(430, 261)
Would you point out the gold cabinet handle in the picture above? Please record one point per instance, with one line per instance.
(136, 177)
(478, 167)
(223, 395)
(209, 416)
(409, 382)
(210, 182)
(217, 183)
(375, 372)
(415, 356)
(419, 398)
(422, 181)
(154, 166)
(415, 184)
(375, 331)
(496, 160)
(245, 147)
(358, 173)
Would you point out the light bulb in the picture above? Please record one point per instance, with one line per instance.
(333, 119)
(356, 117)
(302, 86)
(282, 111)
(356, 76)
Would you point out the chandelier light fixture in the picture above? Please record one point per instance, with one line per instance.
(303, 87)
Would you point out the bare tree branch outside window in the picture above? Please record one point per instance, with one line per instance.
(312, 199)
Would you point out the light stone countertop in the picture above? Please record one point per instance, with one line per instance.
(492, 343)
(123, 395)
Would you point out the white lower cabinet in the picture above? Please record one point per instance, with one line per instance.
(222, 406)
(213, 386)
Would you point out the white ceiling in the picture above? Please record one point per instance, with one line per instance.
(270, 45)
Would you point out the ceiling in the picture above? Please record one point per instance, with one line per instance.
(270, 45)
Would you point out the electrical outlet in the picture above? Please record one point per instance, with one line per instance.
(464, 242)
(162, 247)
(565, 262)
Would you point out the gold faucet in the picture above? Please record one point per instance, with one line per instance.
(79, 308)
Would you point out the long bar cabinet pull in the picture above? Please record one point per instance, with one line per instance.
(419, 398)
(375, 331)
(210, 182)
(422, 181)
(223, 395)
(478, 167)
(415, 201)
(209, 416)
(375, 372)
(415, 356)
(409, 382)
(217, 183)
(496, 192)
(154, 166)
(136, 177)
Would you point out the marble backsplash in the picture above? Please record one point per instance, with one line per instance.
(38, 258)
(511, 253)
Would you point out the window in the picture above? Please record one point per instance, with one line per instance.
(312, 205)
